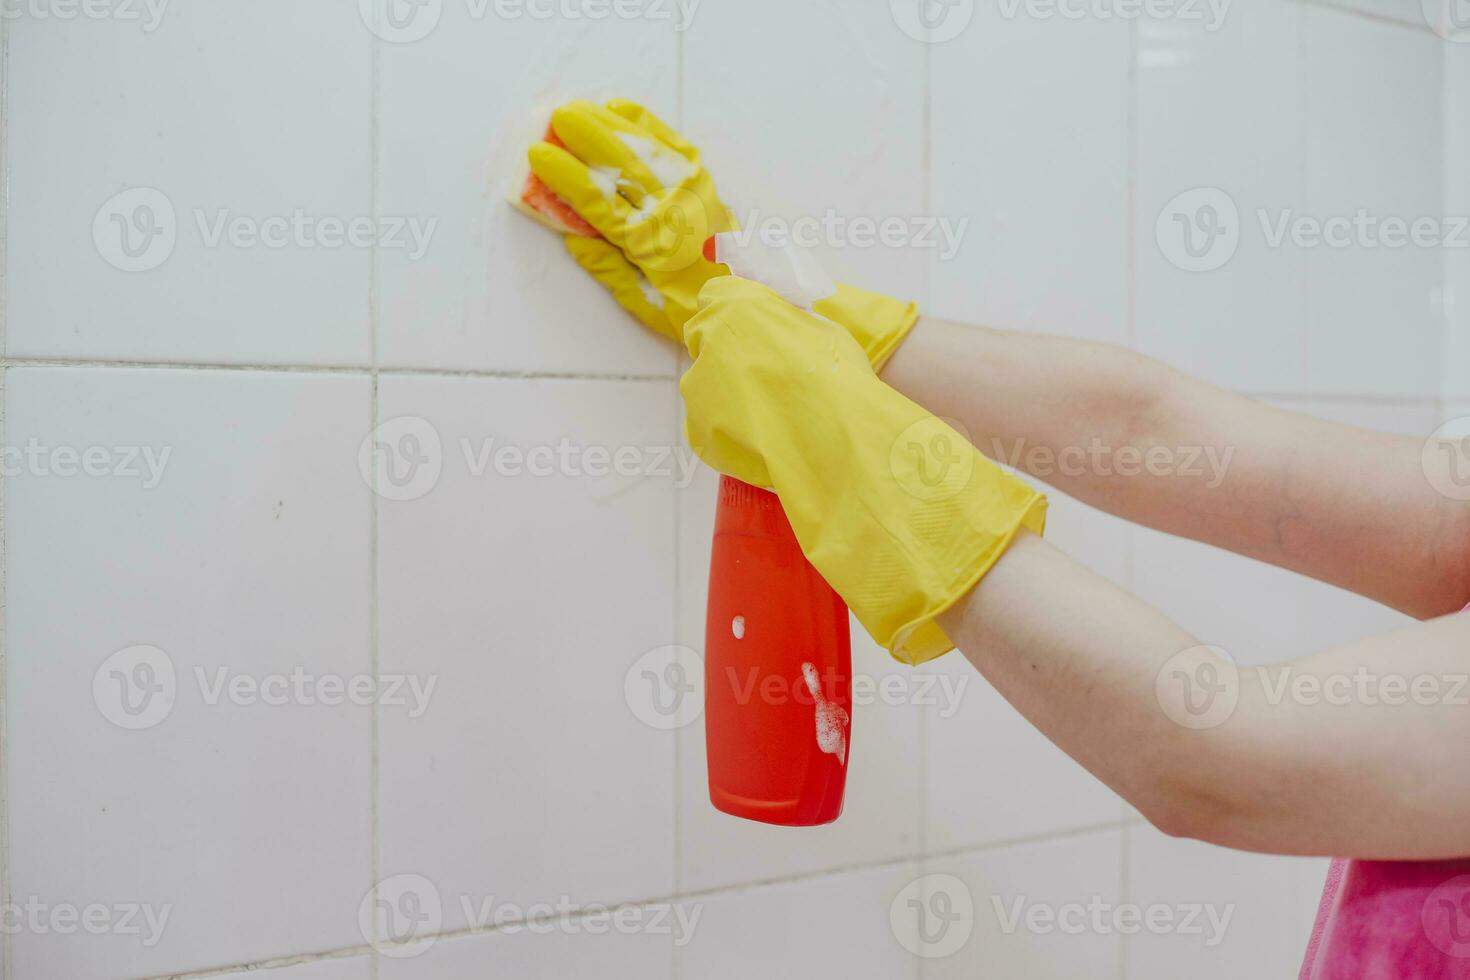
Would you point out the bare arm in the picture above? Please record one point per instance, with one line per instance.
(1142, 441)
(1358, 750)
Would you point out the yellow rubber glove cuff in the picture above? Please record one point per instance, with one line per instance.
(877, 322)
(899, 513)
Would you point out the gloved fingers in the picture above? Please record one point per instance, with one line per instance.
(669, 238)
(604, 262)
(644, 119)
(603, 139)
(587, 192)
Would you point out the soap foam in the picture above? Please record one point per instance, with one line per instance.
(605, 179)
(831, 718)
(668, 168)
(656, 298)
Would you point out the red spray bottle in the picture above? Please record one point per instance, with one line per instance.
(777, 655)
(778, 661)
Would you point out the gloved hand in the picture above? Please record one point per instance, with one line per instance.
(899, 513)
(642, 186)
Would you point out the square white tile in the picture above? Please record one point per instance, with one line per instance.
(528, 581)
(143, 157)
(459, 109)
(1220, 142)
(1033, 909)
(1030, 146)
(811, 112)
(565, 948)
(838, 925)
(880, 819)
(1252, 913)
(240, 558)
(1372, 128)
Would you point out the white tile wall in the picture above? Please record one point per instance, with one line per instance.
(1274, 118)
(1221, 110)
(1255, 912)
(347, 968)
(223, 114)
(1457, 207)
(813, 117)
(564, 949)
(489, 273)
(1032, 907)
(1041, 179)
(526, 599)
(247, 820)
(834, 925)
(1373, 145)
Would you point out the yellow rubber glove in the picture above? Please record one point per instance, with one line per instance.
(642, 186)
(899, 513)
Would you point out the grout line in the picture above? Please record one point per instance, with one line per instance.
(1130, 190)
(1316, 396)
(343, 953)
(1301, 266)
(516, 375)
(677, 842)
(1125, 888)
(5, 956)
(492, 374)
(1045, 837)
(356, 370)
(926, 190)
(1130, 314)
(374, 177)
(375, 781)
(1446, 194)
(375, 822)
(719, 891)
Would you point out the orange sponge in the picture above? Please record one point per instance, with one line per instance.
(537, 201)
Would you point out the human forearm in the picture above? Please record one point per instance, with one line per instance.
(1279, 771)
(1138, 439)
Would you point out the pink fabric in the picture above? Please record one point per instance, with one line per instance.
(1392, 920)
